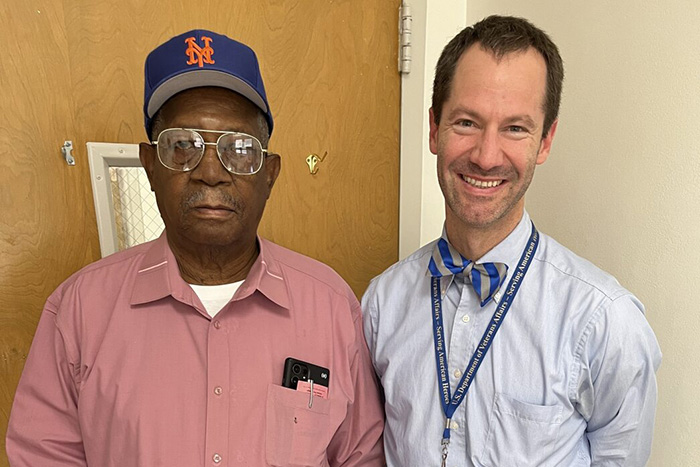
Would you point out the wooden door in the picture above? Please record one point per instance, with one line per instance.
(72, 70)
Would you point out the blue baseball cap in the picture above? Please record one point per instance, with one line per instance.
(202, 58)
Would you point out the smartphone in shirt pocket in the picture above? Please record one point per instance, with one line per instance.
(300, 373)
(297, 423)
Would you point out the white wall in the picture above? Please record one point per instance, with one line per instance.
(621, 186)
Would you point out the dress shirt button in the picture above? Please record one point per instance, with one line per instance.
(458, 374)
(217, 324)
(218, 390)
(465, 318)
(454, 425)
(216, 458)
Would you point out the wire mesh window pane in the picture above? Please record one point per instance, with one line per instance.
(135, 209)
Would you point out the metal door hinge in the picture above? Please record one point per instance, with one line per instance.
(405, 31)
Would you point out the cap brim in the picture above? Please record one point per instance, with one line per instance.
(201, 78)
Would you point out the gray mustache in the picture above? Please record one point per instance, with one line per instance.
(218, 197)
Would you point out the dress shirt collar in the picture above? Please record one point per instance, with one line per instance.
(508, 251)
(159, 276)
(511, 248)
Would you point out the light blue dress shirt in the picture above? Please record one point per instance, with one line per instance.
(569, 379)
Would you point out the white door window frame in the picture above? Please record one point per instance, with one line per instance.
(136, 212)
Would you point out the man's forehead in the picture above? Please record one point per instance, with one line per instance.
(478, 51)
(202, 107)
(522, 69)
(511, 85)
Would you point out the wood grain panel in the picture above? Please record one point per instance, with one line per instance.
(343, 100)
(74, 70)
(47, 226)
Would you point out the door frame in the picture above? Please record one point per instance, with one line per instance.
(421, 211)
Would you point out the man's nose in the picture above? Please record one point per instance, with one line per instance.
(488, 152)
(210, 170)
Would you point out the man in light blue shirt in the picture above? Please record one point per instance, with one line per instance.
(495, 345)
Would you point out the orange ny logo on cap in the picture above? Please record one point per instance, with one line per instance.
(199, 55)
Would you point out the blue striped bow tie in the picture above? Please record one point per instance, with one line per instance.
(486, 278)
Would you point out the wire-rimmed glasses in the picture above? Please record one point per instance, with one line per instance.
(181, 149)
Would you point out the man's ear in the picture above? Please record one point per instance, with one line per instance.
(148, 156)
(433, 132)
(546, 143)
(272, 167)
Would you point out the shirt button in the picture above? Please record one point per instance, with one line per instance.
(217, 324)
(216, 458)
(465, 318)
(218, 390)
(454, 425)
(458, 374)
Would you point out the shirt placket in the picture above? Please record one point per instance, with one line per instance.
(463, 342)
(218, 394)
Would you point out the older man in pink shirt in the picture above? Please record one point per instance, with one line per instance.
(172, 353)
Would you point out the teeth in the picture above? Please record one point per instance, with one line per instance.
(480, 184)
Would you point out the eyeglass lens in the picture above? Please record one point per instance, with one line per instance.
(183, 149)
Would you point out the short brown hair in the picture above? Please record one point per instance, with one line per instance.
(501, 35)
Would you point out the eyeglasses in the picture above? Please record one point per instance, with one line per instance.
(182, 149)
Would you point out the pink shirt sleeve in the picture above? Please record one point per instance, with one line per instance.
(358, 441)
(44, 427)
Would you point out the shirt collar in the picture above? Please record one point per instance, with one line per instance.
(509, 250)
(266, 276)
(159, 276)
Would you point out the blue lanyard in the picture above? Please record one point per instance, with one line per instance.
(449, 402)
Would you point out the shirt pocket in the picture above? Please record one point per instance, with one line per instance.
(296, 434)
(520, 434)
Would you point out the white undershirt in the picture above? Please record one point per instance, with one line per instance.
(215, 297)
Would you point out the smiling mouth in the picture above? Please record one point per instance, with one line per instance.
(481, 183)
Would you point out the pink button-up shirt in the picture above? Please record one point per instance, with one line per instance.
(128, 369)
